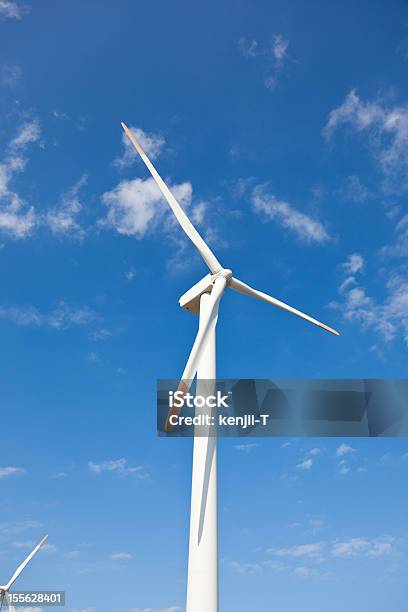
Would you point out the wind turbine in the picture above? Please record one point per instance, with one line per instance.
(5, 589)
(204, 299)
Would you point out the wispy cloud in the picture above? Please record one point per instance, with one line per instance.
(152, 143)
(353, 264)
(30, 544)
(13, 529)
(388, 318)
(10, 471)
(62, 317)
(121, 556)
(304, 571)
(355, 191)
(17, 219)
(306, 464)
(346, 549)
(386, 131)
(305, 228)
(399, 248)
(118, 466)
(274, 56)
(12, 10)
(357, 547)
(246, 448)
(244, 568)
(63, 219)
(311, 551)
(10, 74)
(344, 449)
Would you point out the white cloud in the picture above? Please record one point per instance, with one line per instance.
(62, 220)
(388, 318)
(121, 556)
(355, 191)
(354, 264)
(28, 133)
(10, 74)
(60, 318)
(130, 274)
(305, 228)
(30, 544)
(311, 551)
(303, 571)
(72, 554)
(100, 334)
(136, 206)
(247, 448)
(344, 449)
(343, 468)
(48, 548)
(386, 129)
(357, 547)
(280, 47)
(306, 464)
(315, 451)
(11, 10)
(24, 544)
(119, 466)
(151, 143)
(12, 529)
(10, 471)
(274, 56)
(400, 246)
(244, 568)
(351, 548)
(16, 218)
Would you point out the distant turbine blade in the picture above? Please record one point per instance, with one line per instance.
(205, 252)
(23, 564)
(207, 325)
(9, 603)
(241, 287)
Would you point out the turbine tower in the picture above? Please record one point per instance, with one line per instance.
(5, 589)
(204, 299)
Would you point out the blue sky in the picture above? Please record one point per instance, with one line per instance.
(283, 129)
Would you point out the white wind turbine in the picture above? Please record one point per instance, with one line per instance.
(5, 589)
(203, 299)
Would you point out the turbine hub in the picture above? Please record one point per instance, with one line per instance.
(223, 273)
(190, 300)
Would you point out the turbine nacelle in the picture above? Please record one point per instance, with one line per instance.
(190, 300)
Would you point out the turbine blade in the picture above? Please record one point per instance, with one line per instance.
(241, 287)
(207, 325)
(24, 563)
(204, 250)
(9, 603)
